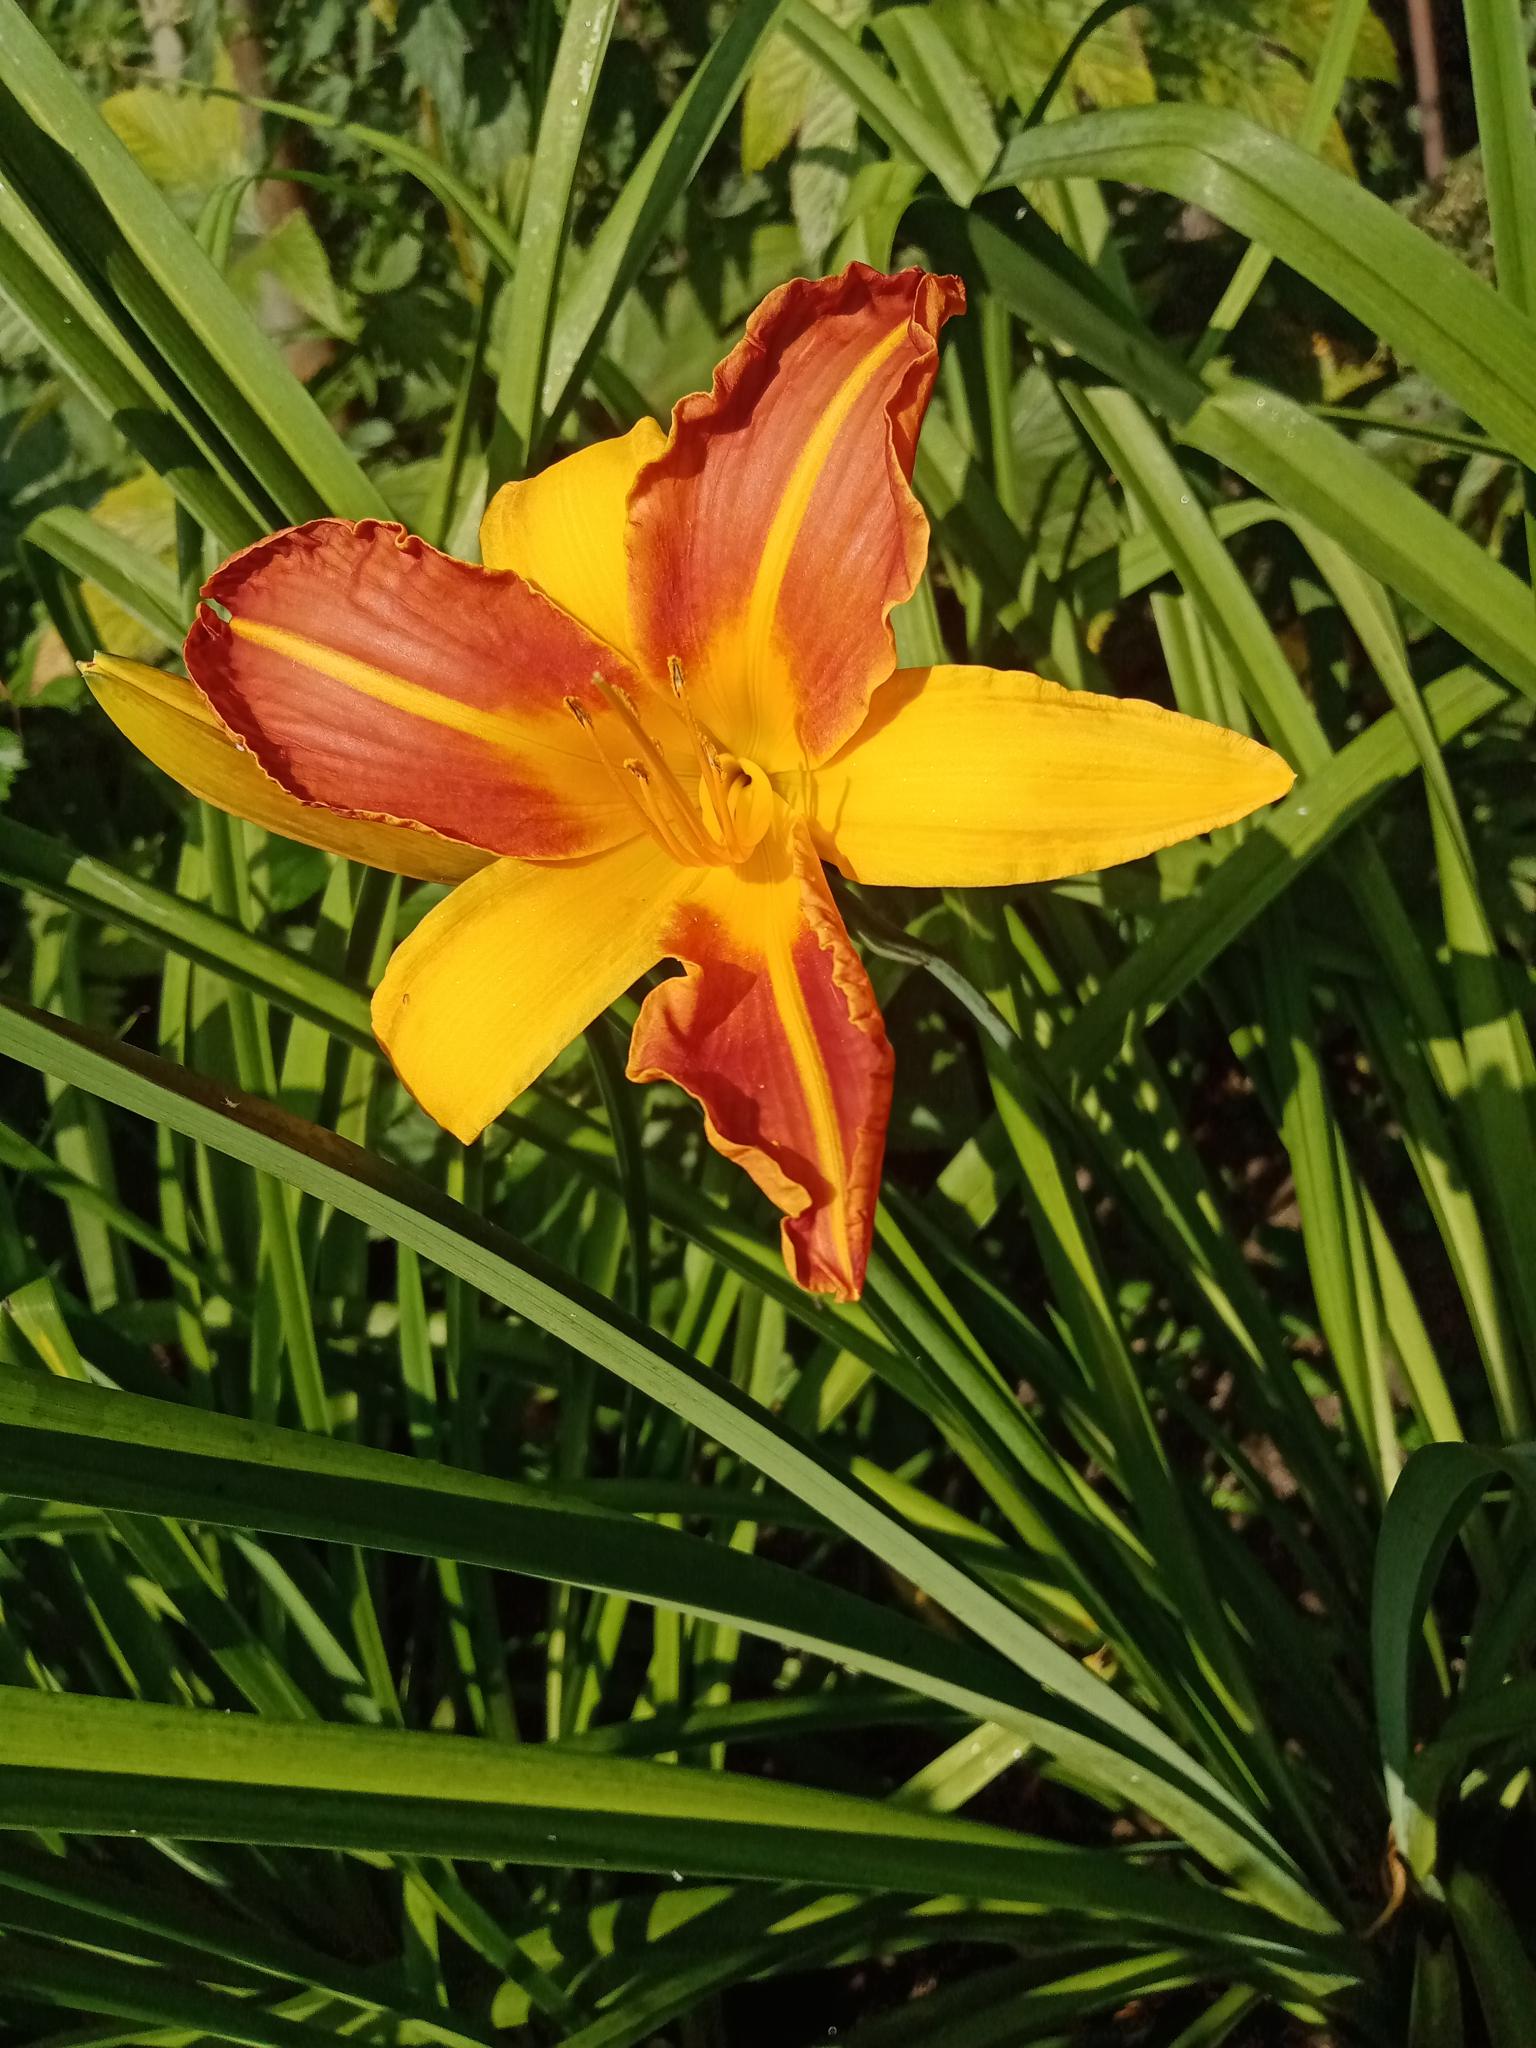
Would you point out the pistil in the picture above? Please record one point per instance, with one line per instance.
(725, 780)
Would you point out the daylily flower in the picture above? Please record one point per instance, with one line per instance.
(635, 734)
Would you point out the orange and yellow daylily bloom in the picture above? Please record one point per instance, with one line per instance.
(637, 731)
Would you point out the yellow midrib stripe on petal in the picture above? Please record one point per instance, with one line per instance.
(805, 1051)
(492, 728)
(789, 518)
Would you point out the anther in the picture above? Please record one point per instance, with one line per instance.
(579, 712)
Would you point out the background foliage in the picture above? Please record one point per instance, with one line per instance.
(455, 1594)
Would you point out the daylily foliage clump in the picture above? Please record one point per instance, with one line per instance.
(637, 731)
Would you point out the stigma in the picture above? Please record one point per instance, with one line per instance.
(710, 812)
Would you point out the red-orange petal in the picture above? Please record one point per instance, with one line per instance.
(774, 533)
(775, 1029)
(372, 674)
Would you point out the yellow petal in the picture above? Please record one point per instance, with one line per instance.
(565, 530)
(169, 721)
(504, 973)
(966, 776)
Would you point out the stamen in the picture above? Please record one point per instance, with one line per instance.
(661, 826)
(665, 791)
(638, 796)
(705, 834)
(710, 769)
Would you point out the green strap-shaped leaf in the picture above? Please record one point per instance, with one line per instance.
(1439, 1487)
(112, 1766)
(562, 126)
(623, 244)
(1273, 442)
(93, 1446)
(1162, 1778)
(178, 296)
(1433, 311)
(1238, 887)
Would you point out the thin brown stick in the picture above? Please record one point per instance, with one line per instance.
(1426, 80)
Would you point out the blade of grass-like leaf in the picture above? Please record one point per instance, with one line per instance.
(629, 1158)
(1215, 2024)
(443, 510)
(1495, 1946)
(1229, 1717)
(107, 1766)
(938, 84)
(623, 245)
(1499, 45)
(189, 313)
(1499, 48)
(1274, 443)
(408, 1210)
(1346, 1295)
(78, 333)
(79, 1982)
(1433, 310)
(138, 580)
(1328, 76)
(1439, 1487)
(1244, 881)
(562, 127)
(116, 1905)
(848, 1706)
(1434, 2018)
(175, 1164)
(76, 1132)
(1415, 1350)
(902, 125)
(1433, 1153)
(43, 1171)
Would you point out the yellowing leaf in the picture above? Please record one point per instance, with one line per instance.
(187, 142)
(142, 511)
(1300, 25)
(1013, 46)
(774, 103)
